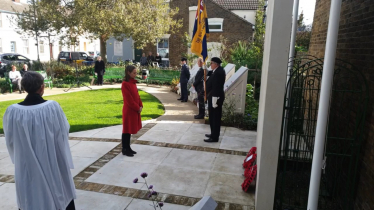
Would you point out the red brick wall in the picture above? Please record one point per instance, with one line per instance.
(234, 27)
(355, 45)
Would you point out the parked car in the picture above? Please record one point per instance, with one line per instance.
(13, 58)
(68, 56)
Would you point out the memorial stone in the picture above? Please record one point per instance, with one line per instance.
(206, 203)
(236, 88)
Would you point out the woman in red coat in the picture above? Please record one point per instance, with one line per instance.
(132, 107)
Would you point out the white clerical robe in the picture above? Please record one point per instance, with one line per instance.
(37, 140)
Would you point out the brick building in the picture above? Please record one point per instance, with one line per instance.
(355, 45)
(222, 21)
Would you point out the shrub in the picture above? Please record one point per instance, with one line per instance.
(248, 120)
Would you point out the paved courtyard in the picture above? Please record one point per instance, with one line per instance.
(181, 166)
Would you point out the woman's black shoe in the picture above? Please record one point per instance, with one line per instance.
(127, 153)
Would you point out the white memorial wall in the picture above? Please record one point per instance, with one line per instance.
(229, 69)
(236, 88)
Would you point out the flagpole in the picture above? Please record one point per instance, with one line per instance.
(205, 69)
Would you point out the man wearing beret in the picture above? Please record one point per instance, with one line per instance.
(215, 96)
(184, 77)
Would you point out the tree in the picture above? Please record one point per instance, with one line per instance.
(143, 20)
(300, 21)
(32, 22)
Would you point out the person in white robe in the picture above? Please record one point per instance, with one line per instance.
(36, 133)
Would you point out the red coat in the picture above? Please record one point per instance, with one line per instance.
(131, 120)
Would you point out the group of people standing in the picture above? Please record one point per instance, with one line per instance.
(40, 149)
(215, 94)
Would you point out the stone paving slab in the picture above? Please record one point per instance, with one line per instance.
(227, 188)
(6, 166)
(179, 181)
(187, 159)
(138, 204)
(3, 155)
(8, 199)
(238, 143)
(120, 172)
(228, 164)
(100, 201)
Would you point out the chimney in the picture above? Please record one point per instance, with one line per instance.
(17, 1)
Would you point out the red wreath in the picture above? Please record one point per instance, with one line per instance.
(252, 171)
(251, 152)
(250, 162)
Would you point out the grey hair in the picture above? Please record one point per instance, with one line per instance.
(32, 81)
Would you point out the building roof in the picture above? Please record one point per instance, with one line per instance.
(8, 5)
(238, 4)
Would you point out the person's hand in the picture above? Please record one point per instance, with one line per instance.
(214, 102)
(140, 110)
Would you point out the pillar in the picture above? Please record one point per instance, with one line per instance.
(274, 73)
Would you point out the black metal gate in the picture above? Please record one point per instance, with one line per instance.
(343, 140)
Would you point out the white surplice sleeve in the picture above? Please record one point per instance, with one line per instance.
(65, 127)
(8, 135)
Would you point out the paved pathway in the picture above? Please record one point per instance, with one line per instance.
(181, 166)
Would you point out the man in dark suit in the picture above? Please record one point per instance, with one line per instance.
(199, 87)
(215, 96)
(185, 76)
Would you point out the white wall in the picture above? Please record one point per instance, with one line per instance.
(248, 15)
(8, 34)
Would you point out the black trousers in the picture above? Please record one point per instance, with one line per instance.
(215, 115)
(99, 79)
(71, 206)
(125, 141)
(184, 95)
(200, 98)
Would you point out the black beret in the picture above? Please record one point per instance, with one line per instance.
(216, 60)
(184, 59)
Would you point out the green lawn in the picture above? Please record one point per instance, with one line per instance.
(92, 109)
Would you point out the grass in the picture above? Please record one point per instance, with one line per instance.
(87, 110)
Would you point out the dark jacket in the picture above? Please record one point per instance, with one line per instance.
(199, 81)
(99, 67)
(185, 74)
(150, 59)
(143, 61)
(22, 72)
(214, 85)
(158, 59)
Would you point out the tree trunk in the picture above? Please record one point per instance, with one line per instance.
(103, 39)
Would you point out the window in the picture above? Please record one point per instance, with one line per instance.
(41, 46)
(25, 46)
(215, 24)
(163, 48)
(21, 58)
(1, 46)
(83, 56)
(13, 47)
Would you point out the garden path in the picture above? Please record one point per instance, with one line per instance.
(180, 165)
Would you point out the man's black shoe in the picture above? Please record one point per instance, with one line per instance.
(199, 117)
(208, 135)
(179, 99)
(210, 140)
(183, 101)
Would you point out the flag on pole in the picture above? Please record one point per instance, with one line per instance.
(200, 32)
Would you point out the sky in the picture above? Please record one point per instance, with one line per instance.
(307, 6)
